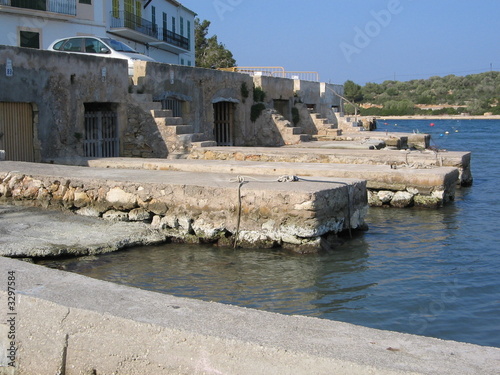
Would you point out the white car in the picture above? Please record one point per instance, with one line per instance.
(105, 47)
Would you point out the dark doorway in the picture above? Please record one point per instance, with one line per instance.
(101, 138)
(224, 123)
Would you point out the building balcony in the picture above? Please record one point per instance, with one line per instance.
(132, 27)
(67, 7)
(172, 42)
(174, 39)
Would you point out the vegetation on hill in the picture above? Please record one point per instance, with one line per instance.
(209, 52)
(474, 94)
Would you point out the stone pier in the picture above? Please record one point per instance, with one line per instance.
(396, 183)
(254, 211)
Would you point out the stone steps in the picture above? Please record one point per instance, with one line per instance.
(173, 130)
(293, 130)
(169, 121)
(178, 136)
(159, 113)
(291, 134)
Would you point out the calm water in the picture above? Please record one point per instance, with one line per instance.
(429, 272)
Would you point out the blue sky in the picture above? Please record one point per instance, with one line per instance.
(360, 40)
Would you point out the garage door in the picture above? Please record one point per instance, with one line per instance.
(16, 131)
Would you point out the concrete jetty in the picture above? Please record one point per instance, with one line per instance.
(70, 324)
(424, 178)
(257, 211)
(319, 152)
(427, 187)
(379, 139)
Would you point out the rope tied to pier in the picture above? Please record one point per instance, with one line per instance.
(241, 180)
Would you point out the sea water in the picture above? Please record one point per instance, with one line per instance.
(433, 272)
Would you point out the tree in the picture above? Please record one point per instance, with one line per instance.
(208, 51)
(353, 92)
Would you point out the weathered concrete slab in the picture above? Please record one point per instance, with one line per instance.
(311, 153)
(362, 144)
(398, 140)
(67, 323)
(34, 232)
(214, 207)
(426, 187)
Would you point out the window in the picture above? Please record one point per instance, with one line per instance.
(85, 2)
(182, 61)
(73, 45)
(182, 26)
(189, 63)
(116, 8)
(138, 9)
(189, 33)
(153, 16)
(173, 24)
(58, 45)
(95, 46)
(164, 24)
(30, 39)
(129, 6)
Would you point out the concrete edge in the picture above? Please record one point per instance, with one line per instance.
(68, 321)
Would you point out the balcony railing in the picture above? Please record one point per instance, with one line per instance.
(55, 6)
(133, 22)
(173, 38)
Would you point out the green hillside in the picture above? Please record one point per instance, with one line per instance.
(475, 94)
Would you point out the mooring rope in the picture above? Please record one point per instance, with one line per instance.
(284, 178)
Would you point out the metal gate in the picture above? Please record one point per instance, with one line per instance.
(101, 135)
(223, 123)
(16, 131)
(173, 104)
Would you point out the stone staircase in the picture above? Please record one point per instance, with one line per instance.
(325, 128)
(179, 137)
(292, 135)
(348, 124)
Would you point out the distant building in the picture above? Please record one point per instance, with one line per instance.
(162, 29)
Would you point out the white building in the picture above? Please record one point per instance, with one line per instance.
(162, 29)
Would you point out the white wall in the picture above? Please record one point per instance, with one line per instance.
(52, 26)
(49, 29)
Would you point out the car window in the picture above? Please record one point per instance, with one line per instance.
(73, 45)
(95, 46)
(119, 46)
(58, 45)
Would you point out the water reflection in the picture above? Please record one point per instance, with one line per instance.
(270, 280)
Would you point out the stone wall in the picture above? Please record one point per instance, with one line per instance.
(58, 85)
(299, 216)
(199, 89)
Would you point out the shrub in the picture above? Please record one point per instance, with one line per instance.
(258, 95)
(256, 110)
